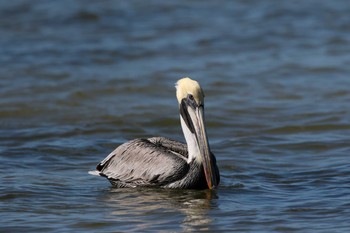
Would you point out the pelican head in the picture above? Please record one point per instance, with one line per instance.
(191, 105)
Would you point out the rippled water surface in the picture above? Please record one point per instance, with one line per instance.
(78, 78)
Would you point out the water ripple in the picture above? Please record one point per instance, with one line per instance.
(78, 80)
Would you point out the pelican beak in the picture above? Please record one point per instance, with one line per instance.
(202, 140)
(193, 115)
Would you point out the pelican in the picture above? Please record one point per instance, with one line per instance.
(162, 162)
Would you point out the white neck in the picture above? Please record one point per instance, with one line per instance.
(192, 146)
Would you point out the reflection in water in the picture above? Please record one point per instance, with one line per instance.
(190, 208)
(196, 211)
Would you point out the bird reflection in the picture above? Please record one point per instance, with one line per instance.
(161, 209)
(196, 211)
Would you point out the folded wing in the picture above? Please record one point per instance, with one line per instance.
(145, 162)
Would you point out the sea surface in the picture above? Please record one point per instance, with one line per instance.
(78, 78)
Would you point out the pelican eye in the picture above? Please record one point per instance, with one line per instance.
(191, 101)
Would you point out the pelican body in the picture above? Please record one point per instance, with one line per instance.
(162, 162)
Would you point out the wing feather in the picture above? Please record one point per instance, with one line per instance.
(172, 145)
(145, 162)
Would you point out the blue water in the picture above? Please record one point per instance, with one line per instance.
(78, 78)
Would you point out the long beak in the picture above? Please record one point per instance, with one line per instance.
(202, 140)
(193, 116)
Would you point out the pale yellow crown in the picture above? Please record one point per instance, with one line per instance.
(187, 86)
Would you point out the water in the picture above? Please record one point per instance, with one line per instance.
(79, 78)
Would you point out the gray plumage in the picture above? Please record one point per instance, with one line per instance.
(156, 161)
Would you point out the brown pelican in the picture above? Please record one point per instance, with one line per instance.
(162, 162)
